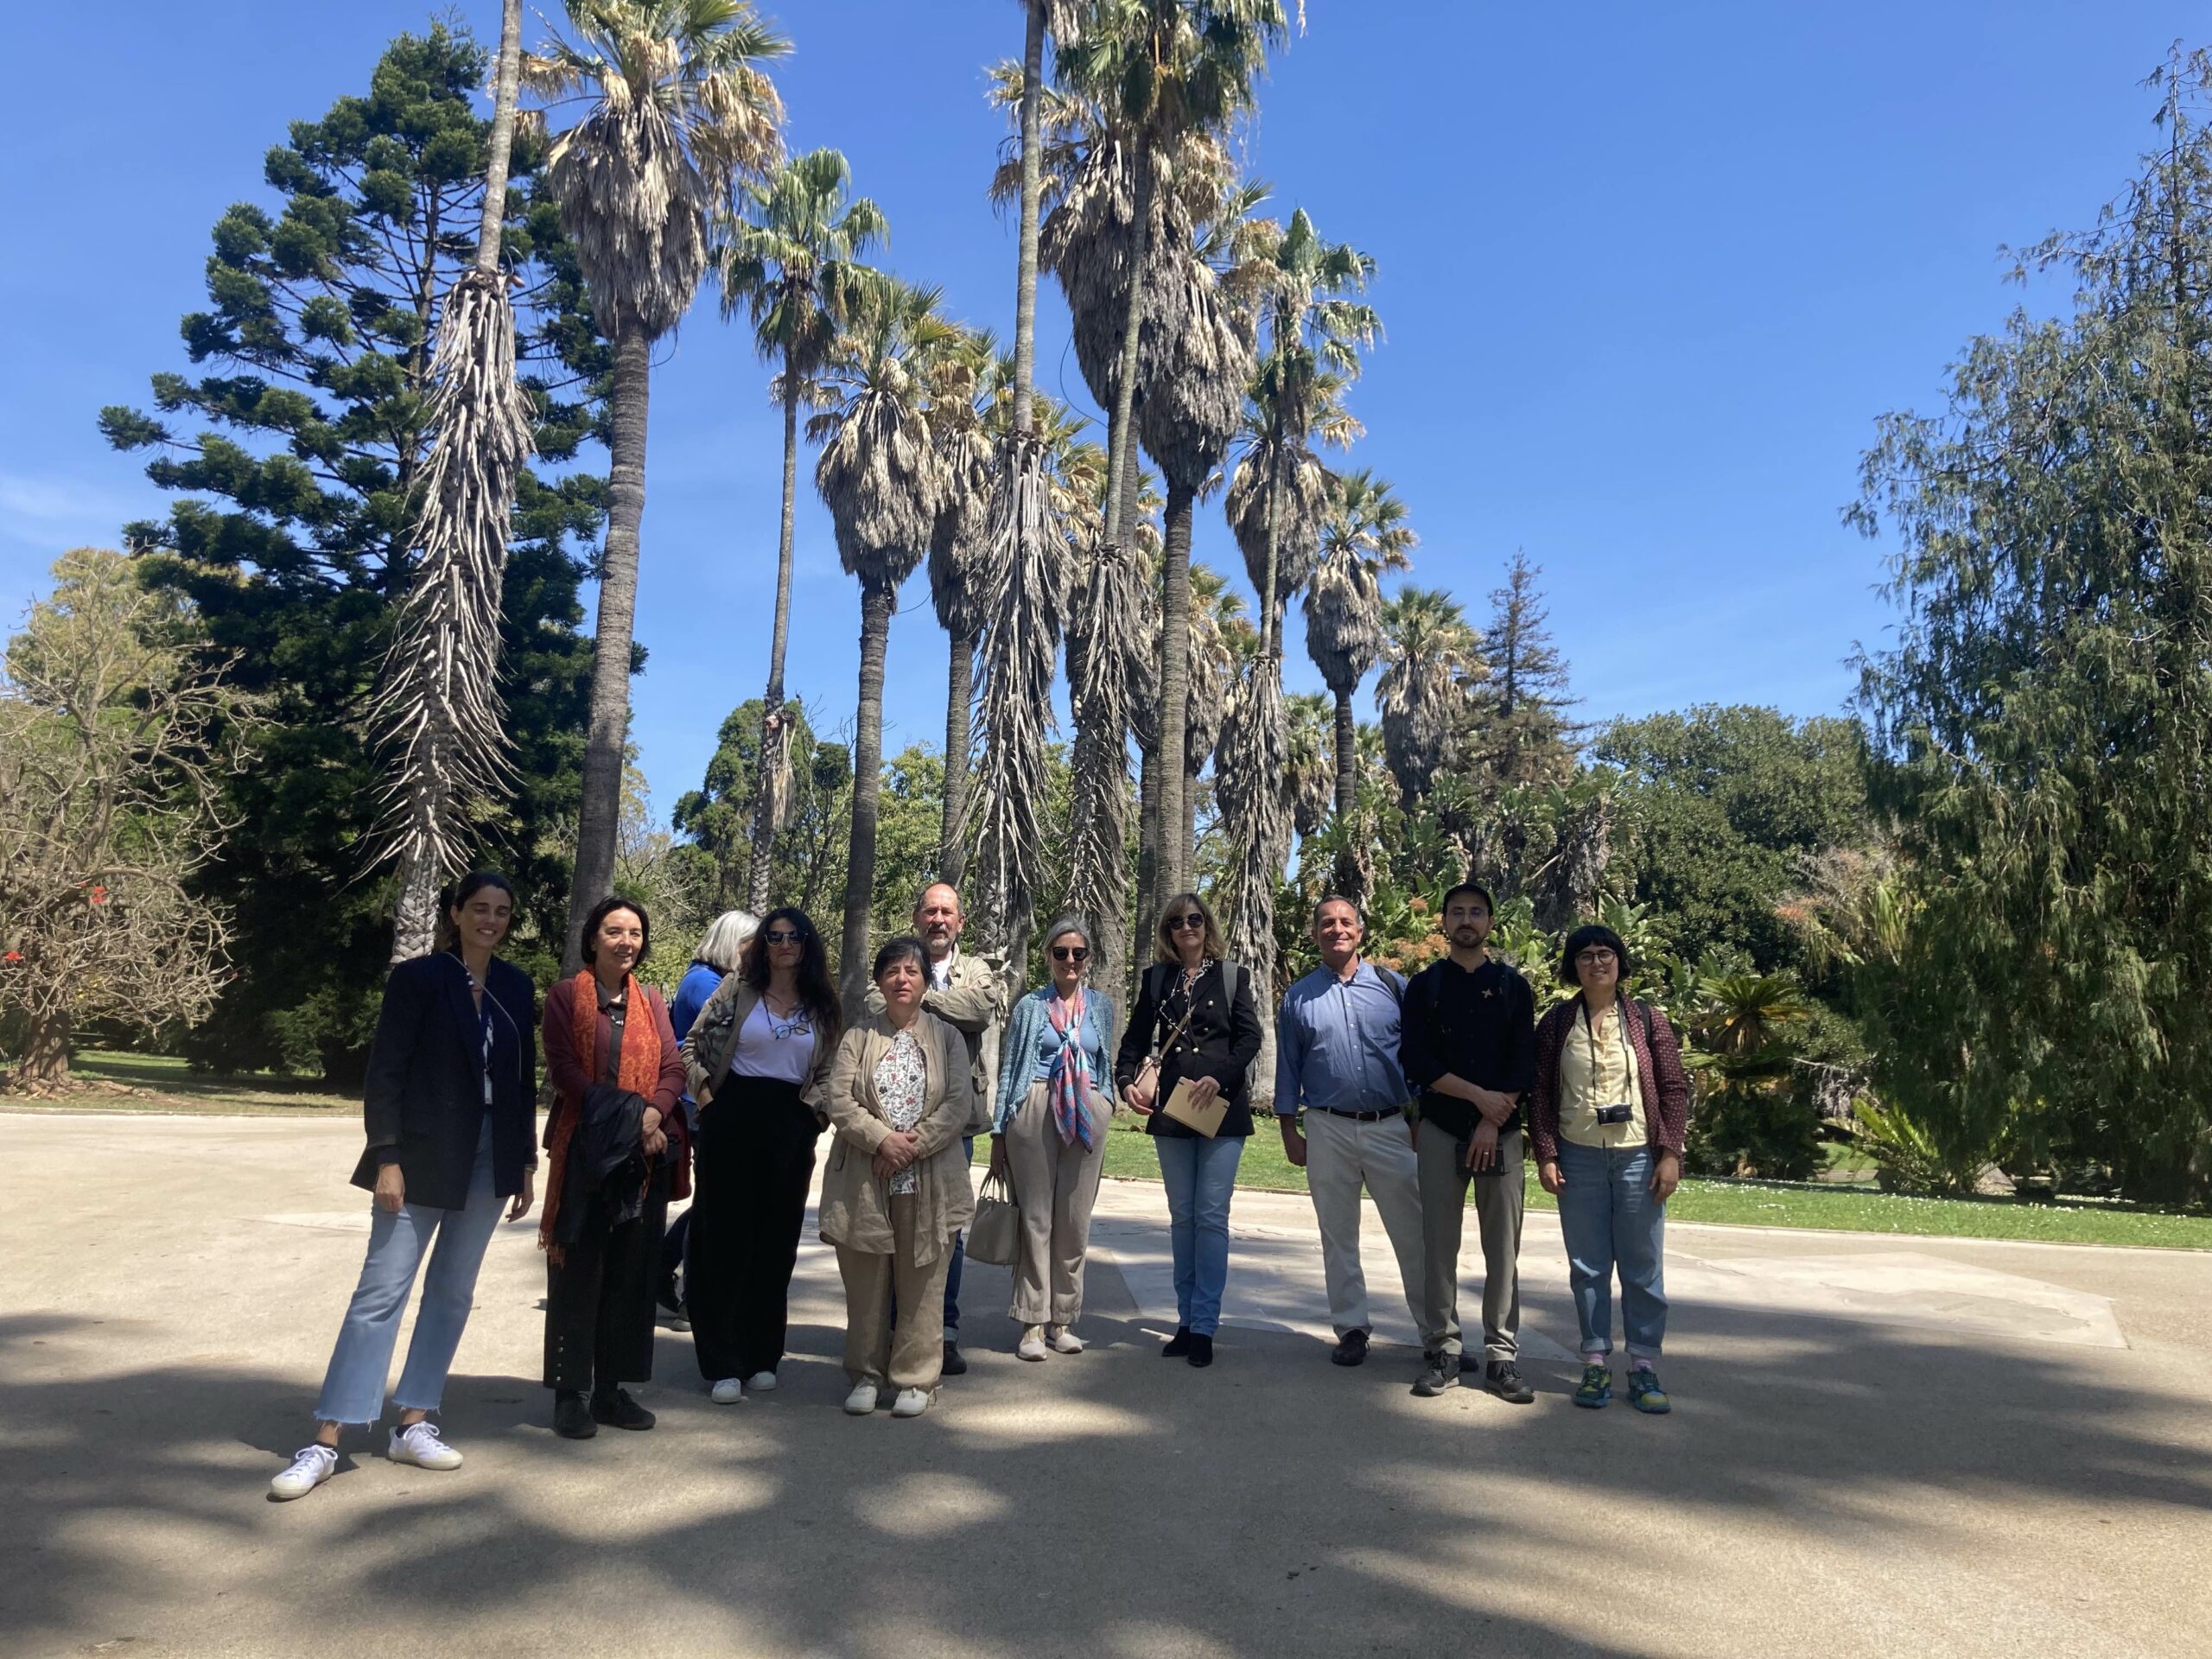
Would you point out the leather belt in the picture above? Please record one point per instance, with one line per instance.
(1357, 1117)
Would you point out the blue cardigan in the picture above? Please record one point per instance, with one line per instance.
(1026, 1027)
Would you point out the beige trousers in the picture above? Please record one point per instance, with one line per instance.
(1055, 1184)
(1342, 1156)
(1444, 1183)
(913, 1356)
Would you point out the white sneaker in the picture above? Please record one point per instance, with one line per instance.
(1064, 1340)
(861, 1401)
(1031, 1345)
(727, 1392)
(760, 1382)
(418, 1444)
(911, 1402)
(311, 1466)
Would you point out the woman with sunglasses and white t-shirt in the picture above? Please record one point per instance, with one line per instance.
(759, 1058)
(1048, 1136)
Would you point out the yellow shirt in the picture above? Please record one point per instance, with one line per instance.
(1597, 1067)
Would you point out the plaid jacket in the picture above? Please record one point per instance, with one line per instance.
(1658, 1051)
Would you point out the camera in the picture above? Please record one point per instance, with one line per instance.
(1616, 1113)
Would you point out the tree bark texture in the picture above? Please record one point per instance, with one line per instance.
(1148, 893)
(599, 817)
(415, 917)
(1033, 153)
(1347, 758)
(867, 788)
(959, 711)
(45, 1062)
(776, 744)
(505, 82)
(1121, 435)
(1172, 871)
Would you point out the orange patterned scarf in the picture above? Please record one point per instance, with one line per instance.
(640, 1074)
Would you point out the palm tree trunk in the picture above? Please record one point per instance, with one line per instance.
(599, 814)
(775, 742)
(1149, 896)
(1033, 154)
(1174, 859)
(959, 701)
(415, 916)
(1120, 436)
(1347, 758)
(867, 786)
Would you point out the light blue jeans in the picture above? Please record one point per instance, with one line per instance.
(1200, 1175)
(454, 1240)
(1610, 1221)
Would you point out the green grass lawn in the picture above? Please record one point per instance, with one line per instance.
(162, 1082)
(1775, 1203)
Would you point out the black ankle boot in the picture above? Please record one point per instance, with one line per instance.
(1178, 1344)
(571, 1417)
(614, 1408)
(1201, 1350)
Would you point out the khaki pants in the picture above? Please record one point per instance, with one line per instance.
(1055, 1184)
(913, 1357)
(1443, 1182)
(1342, 1156)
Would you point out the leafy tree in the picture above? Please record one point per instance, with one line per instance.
(808, 863)
(2040, 730)
(292, 535)
(117, 729)
(1718, 803)
(1429, 658)
(1364, 537)
(679, 110)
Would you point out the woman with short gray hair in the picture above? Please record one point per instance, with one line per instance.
(1055, 1100)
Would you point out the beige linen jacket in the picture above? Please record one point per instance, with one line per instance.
(856, 1206)
(712, 1040)
(974, 1005)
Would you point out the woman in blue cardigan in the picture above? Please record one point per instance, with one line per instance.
(1055, 1099)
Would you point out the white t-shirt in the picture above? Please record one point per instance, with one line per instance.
(769, 1047)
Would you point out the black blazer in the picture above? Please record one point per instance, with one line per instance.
(425, 1101)
(1221, 1042)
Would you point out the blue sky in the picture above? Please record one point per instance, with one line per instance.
(1648, 275)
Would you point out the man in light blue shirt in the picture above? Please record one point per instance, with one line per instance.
(1337, 1056)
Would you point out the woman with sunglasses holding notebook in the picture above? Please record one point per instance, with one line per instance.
(1048, 1136)
(758, 1057)
(1195, 1023)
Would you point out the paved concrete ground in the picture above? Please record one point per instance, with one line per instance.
(1880, 1446)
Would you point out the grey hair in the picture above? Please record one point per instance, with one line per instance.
(1072, 923)
(725, 939)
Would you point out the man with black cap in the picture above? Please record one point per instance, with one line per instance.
(1470, 1046)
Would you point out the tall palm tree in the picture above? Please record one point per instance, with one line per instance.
(1162, 70)
(1363, 536)
(678, 108)
(965, 426)
(1429, 657)
(791, 258)
(438, 706)
(1309, 759)
(882, 480)
(1215, 621)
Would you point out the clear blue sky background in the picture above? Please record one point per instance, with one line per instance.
(1648, 275)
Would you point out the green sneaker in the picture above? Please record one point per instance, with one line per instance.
(1645, 1394)
(1597, 1387)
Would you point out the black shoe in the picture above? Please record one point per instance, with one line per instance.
(956, 1364)
(1471, 1359)
(1201, 1352)
(1502, 1378)
(617, 1410)
(670, 1297)
(1178, 1344)
(571, 1417)
(1351, 1349)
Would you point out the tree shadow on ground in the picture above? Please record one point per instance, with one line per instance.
(1106, 1504)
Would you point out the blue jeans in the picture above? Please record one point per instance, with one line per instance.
(1610, 1221)
(1200, 1175)
(454, 1240)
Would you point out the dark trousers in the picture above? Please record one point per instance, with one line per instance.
(754, 1162)
(672, 1248)
(599, 1298)
(959, 1258)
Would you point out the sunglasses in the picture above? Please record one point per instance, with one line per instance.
(784, 936)
(1191, 923)
(1069, 953)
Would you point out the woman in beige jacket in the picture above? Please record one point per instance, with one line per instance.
(897, 1188)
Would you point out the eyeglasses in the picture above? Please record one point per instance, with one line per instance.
(1069, 953)
(1191, 923)
(1599, 958)
(784, 936)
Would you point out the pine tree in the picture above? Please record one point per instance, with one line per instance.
(1516, 735)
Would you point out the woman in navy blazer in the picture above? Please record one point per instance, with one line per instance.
(449, 1105)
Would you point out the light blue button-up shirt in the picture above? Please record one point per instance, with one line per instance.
(1336, 1044)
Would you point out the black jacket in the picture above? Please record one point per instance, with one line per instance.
(1221, 1042)
(423, 1103)
(607, 1159)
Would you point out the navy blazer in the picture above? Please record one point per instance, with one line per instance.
(425, 1101)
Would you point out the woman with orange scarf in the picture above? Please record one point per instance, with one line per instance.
(617, 1154)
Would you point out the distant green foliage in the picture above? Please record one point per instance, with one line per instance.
(294, 457)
